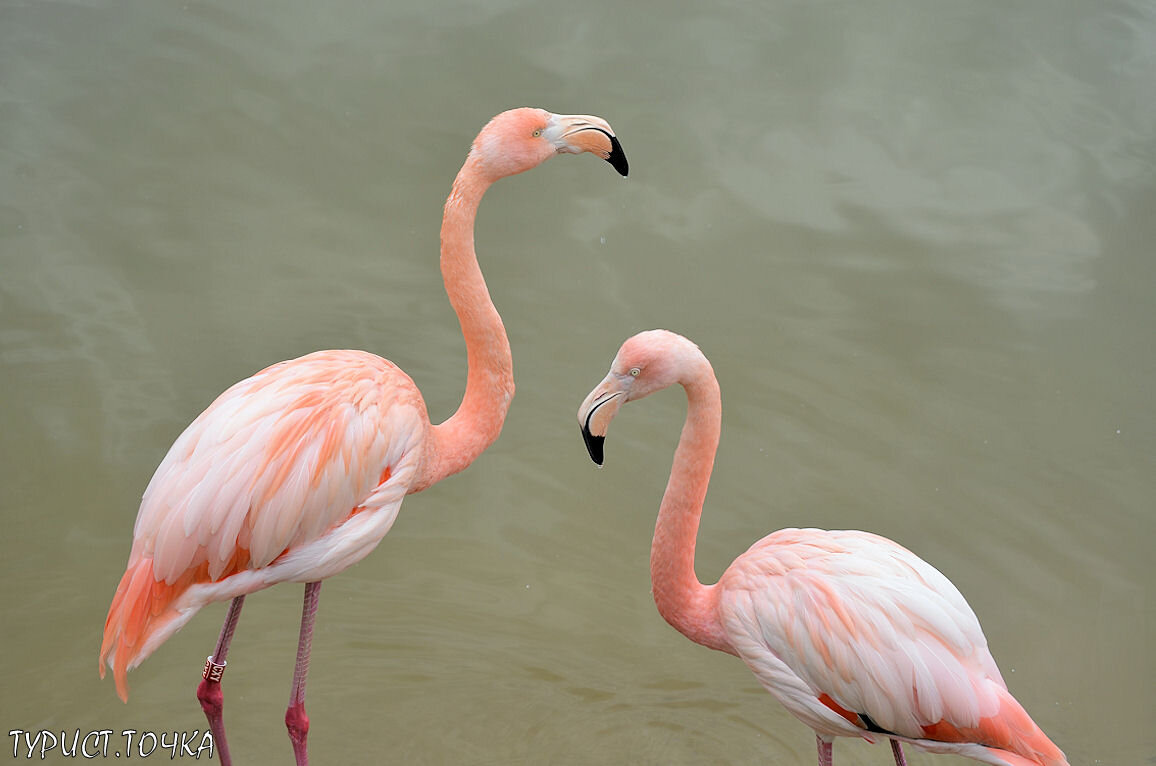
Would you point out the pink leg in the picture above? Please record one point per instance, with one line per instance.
(295, 719)
(209, 690)
(826, 757)
(897, 751)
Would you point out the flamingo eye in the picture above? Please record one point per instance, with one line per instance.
(537, 133)
(634, 371)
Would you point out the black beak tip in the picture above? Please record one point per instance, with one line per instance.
(594, 445)
(617, 158)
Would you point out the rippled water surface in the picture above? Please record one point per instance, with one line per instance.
(915, 241)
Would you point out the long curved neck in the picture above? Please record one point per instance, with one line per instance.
(475, 425)
(682, 600)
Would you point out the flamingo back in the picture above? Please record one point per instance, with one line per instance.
(320, 448)
(855, 634)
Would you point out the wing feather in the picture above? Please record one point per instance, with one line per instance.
(276, 461)
(862, 620)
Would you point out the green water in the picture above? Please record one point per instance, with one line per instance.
(914, 240)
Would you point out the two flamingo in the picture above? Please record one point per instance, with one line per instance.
(298, 472)
(855, 635)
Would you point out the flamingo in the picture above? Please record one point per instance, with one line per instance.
(855, 635)
(298, 472)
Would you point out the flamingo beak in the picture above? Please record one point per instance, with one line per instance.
(577, 133)
(597, 411)
(594, 445)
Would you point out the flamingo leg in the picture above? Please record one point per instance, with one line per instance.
(295, 719)
(209, 690)
(826, 756)
(897, 751)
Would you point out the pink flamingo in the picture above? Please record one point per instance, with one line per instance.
(298, 472)
(854, 634)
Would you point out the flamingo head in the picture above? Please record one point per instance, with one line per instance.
(520, 139)
(647, 362)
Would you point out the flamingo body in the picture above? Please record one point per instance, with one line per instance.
(291, 475)
(858, 637)
(854, 634)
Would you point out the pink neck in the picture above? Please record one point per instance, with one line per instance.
(682, 600)
(455, 444)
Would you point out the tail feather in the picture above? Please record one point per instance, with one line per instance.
(1010, 735)
(141, 607)
(1014, 759)
(146, 610)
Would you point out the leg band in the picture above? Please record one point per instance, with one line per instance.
(213, 671)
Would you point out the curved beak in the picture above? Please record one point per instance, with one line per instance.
(596, 412)
(577, 133)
